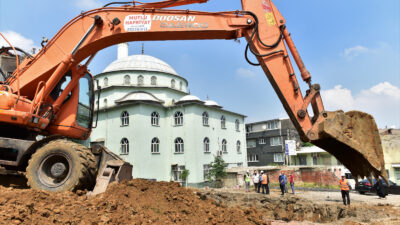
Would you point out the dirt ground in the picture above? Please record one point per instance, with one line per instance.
(146, 202)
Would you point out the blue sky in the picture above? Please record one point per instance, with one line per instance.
(351, 48)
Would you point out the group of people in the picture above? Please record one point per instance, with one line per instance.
(261, 182)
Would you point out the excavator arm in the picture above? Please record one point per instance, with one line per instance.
(351, 137)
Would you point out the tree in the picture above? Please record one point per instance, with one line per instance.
(184, 175)
(217, 171)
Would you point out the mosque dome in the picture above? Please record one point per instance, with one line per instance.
(212, 103)
(189, 98)
(138, 62)
(138, 96)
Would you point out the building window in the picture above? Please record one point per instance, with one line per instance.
(397, 173)
(249, 128)
(177, 172)
(302, 160)
(272, 125)
(274, 141)
(223, 122)
(127, 80)
(237, 125)
(278, 157)
(261, 141)
(155, 145)
(239, 164)
(179, 145)
(251, 143)
(105, 82)
(155, 118)
(105, 103)
(178, 117)
(153, 80)
(140, 80)
(206, 143)
(124, 118)
(224, 149)
(252, 158)
(206, 171)
(238, 147)
(180, 85)
(173, 83)
(205, 118)
(124, 146)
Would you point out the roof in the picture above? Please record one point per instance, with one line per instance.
(312, 149)
(189, 98)
(139, 96)
(212, 103)
(140, 62)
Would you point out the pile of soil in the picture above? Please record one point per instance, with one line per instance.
(147, 202)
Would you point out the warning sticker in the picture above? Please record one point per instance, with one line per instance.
(137, 23)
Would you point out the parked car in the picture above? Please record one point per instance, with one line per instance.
(365, 186)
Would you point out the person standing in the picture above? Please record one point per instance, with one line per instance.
(264, 183)
(247, 181)
(267, 187)
(256, 180)
(380, 188)
(260, 180)
(282, 183)
(345, 189)
(291, 180)
(286, 182)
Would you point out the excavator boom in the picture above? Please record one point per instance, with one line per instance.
(351, 137)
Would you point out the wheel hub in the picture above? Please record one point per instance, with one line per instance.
(58, 169)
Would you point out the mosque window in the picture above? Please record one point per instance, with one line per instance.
(140, 80)
(155, 118)
(238, 147)
(124, 118)
(127, 80)
(124, 146)
(105, 82)
(224, 149)
(178, 117)
(173, 83)
(153, 80)
(179, 145)
(205, 118)
(223, 122)
(180, 85)
(206, 143)
(155, 145)
(237, 125)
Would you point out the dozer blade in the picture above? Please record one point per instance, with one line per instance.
(353, 138)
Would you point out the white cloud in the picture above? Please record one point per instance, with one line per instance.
(17, 40)
(88, 4)
(350, 53)
(381, 101)
(246, 73)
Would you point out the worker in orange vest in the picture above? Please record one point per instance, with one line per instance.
(345, 189)
(264, 183)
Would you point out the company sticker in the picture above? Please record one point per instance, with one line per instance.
(137, 23)
(269, 15)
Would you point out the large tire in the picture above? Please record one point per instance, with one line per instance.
(62, 165)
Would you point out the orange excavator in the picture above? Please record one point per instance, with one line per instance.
(50, 96)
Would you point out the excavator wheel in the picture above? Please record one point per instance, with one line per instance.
(62, 165)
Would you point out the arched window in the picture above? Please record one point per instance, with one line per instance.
(155, 118)
(105, 82)
(140, 80)
(237, 125)
(173, 83)
(127, 80)
(155, 145)
(178, 117)
(223, 125)
(224, 149)
(206, 143)
(105, 103)
(125, 118)
(205, 118)
(180, 85)
(153, 80)
(238, 146)
(124, 146)
(179, 145)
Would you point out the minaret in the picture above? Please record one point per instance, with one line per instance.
(122, 50)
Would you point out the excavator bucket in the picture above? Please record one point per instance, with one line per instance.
(353, 138)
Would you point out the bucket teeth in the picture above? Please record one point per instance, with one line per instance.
(353, 138)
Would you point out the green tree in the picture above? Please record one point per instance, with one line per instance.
(184, 175)
(217, 171)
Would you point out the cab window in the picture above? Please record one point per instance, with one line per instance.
(84, 114)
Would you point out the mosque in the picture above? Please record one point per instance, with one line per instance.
(147, 116)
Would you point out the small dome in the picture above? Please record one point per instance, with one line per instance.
(212, 103)
(187, 98)
(140, 62)
(139, 96)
